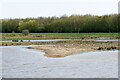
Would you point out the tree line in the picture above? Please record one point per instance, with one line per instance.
(63, 24)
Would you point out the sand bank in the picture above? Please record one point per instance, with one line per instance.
(63, 50)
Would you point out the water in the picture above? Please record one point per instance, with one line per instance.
(20, 62)
(35, 40)
(106, 40)
(0, 63)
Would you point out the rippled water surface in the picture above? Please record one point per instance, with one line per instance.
(20, 62)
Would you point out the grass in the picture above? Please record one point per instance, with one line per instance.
(55, 42)
(33, 36)
(30, 43)
(61, 34)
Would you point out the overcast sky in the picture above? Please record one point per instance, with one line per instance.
(37, 8)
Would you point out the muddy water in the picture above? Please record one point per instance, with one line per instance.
(19, 62)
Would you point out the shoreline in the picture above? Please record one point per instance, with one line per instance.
(68, 47)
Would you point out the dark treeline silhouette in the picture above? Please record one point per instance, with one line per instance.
(63, 24)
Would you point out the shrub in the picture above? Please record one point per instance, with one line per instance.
(13, 33)
(25, 32)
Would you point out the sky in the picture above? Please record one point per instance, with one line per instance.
(49, 8)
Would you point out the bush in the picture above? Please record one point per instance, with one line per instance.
(13, 33)
(25, 32)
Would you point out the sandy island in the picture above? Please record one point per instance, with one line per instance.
(60, 51)
(74, 47)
